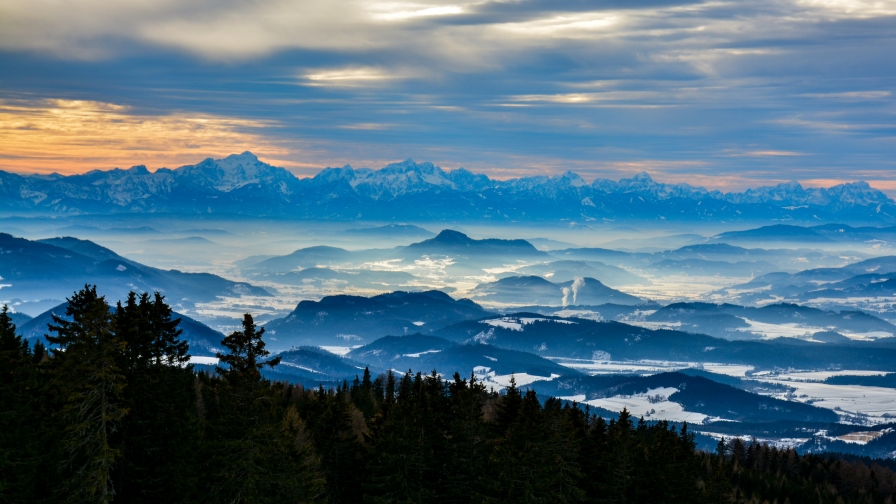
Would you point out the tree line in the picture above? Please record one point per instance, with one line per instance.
(113, 412)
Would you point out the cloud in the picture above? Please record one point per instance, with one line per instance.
(70, 136)
(769, 153)
(402, 12)
(851, 95)
(367, 126)
(690, 89)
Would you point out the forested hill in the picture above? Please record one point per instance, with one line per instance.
(113, 414)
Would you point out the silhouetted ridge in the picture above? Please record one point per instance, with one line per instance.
(454, 241)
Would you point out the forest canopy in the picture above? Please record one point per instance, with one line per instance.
(112, 411)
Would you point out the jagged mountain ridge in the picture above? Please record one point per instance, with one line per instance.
(242, 184)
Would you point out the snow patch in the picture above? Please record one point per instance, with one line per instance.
(493, 381)
(517, 323)
(652, 405)
(203, 361)
(418, 354)
(341, 351)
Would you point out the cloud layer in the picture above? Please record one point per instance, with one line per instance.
(728, 93)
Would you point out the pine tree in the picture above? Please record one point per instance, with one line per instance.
(339, 446)
(255, 458)
(561, 446)
(157, 438)
(407, 444)
(466, 453)
(307, 480)
(621, 449)
(246, 351)
(86, 369)
(16, 412)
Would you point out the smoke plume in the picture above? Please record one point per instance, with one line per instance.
(576, 284)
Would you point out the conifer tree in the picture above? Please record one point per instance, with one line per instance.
(86, 369)
(16, 414)
(466, 453)
(621, 448)
(408, 443)
(159, 428)
(339, 446)
(255, 458)
(245, 353)
(561, 445)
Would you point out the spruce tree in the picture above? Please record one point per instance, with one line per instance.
(342, 454)
(86, 369)
(17, 413)
(254, 454)
(466, 454)
(621, 450)
(410, 445)
(246, 351)
(158, 436)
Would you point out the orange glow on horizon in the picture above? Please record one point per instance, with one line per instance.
(70, 137)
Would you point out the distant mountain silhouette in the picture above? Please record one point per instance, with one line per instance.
(203, 340)
(241, 184)
(466, 252)
(728, 320)
(55, 268)
(535, 290)
(355, 320)
(391, 231)
(421, 353)
(455, 242)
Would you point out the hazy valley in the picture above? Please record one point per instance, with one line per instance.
(780, 330)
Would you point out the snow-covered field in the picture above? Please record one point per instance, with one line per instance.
(812, 376)
(652, 405)
(679, 287)
(780, 443)
(854, 403)
(603, 365)
(516, 324)
(582, 314)
(735, 370)
(418, 354)
(494, 381)
(341, 351)
(772, 331)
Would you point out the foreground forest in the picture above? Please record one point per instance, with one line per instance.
(113, 413)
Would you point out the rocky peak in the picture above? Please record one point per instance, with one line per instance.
(233, 172)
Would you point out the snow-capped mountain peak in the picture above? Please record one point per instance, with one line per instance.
(401, 178)
(233, 172)
(242, 183)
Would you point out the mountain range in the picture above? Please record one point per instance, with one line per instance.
(535, 290)
(244, 185)
(54, 268)
(584, 341)
(736, 322)
(355, 320)
(872, 280)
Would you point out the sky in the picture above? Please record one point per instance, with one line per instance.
(723, 94)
